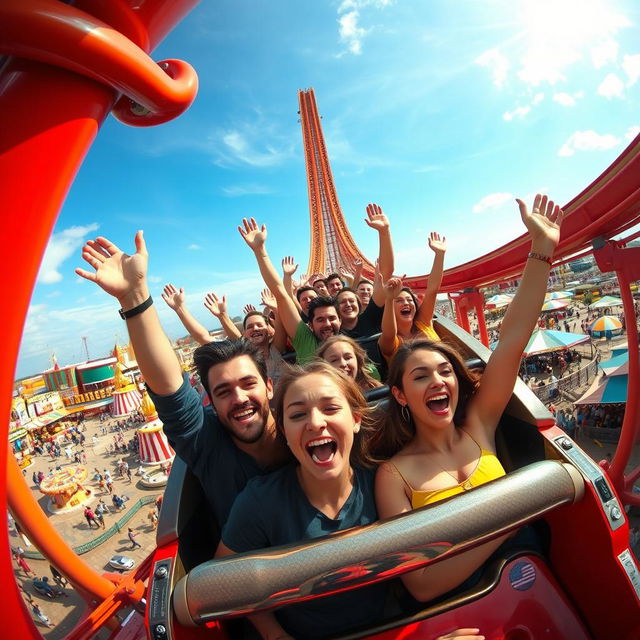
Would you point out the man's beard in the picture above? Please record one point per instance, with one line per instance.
(251, 437)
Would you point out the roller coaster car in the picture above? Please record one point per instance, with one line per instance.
(580, 583)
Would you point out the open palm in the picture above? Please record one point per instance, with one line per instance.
(116, 272)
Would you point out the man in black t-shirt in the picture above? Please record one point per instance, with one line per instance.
(243, 433)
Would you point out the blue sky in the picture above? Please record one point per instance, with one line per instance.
(440, 111)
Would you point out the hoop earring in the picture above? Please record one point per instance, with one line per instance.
(405, 413)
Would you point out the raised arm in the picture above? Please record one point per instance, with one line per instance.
(357, 271)
(428, 305)
(218, 308)
(347, 276)
(256, 238)
(377, 220)
(387, 339)
(279, 334)
(496, 384)
(289, 267)
(175, 299)
(125, 278)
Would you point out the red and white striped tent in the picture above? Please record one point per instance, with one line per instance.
(125, 401)
(126, 398)
(154, 450)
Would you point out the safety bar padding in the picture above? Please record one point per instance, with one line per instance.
(264, 579)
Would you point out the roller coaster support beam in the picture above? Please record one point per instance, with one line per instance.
(471, 300)
(625, 261)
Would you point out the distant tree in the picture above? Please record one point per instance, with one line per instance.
(588, 298)
(236, 319)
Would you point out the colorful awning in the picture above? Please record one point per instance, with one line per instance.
(606, 390)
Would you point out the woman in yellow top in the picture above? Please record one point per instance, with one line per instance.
(402, 318)
(439, 435)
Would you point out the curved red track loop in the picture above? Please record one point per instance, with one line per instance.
(58, 34)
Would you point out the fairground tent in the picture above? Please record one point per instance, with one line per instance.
(606, 301)
(617, 366)
(545, 340)
(606, 390)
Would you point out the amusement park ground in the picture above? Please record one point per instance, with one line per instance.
(64, 612)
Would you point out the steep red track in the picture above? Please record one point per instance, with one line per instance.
(608, 206)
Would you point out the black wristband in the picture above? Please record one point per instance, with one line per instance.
(136, 310)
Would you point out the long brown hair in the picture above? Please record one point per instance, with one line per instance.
(364, 379)
(394, 432)
(349, 389)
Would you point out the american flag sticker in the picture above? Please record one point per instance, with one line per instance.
(522, 576)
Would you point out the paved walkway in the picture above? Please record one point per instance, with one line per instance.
(64, 612)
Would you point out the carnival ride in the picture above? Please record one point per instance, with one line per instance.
(85, 60)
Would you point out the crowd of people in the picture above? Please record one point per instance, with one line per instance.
(307, 457)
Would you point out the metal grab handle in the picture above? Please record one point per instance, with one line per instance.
(61, 35)
(249, 582)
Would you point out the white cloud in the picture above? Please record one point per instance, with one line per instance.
(239, 147)
(604, 53)
(518, 112)
(611, 87)
(568, 99)
(538, 98)
(350, 33)
(61, 246)
(492, 201)
(237, 190)
(497, 63)
(632, 132)
(587, 141)
(154, 279)
(631, 66)
(194, 247)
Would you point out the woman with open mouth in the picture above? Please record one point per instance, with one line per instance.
(320, 412)
(345, 354)
(403, 318)
(439, 436)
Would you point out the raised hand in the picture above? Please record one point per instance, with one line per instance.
(543, 223)
(357, 264)
(255, 237)
(215, 305)
(268, 299)
(173, 297)
(392, 287)
(120, 275)
(347, 275)
(288, 265)
(437, 244)
(376, 218)
(377, 276)
(248, 308)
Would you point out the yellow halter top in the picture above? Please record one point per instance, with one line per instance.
(488, 468)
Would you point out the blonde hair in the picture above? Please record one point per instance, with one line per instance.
(363, 378)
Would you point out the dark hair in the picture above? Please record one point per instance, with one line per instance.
(254, 313)
(351, 392)
(217, 352)
(349, 290)
(364, 281)
(396, 432)
(364, 379)
(323, 280)
(301, 290)
(320, 302)
(332, 276)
